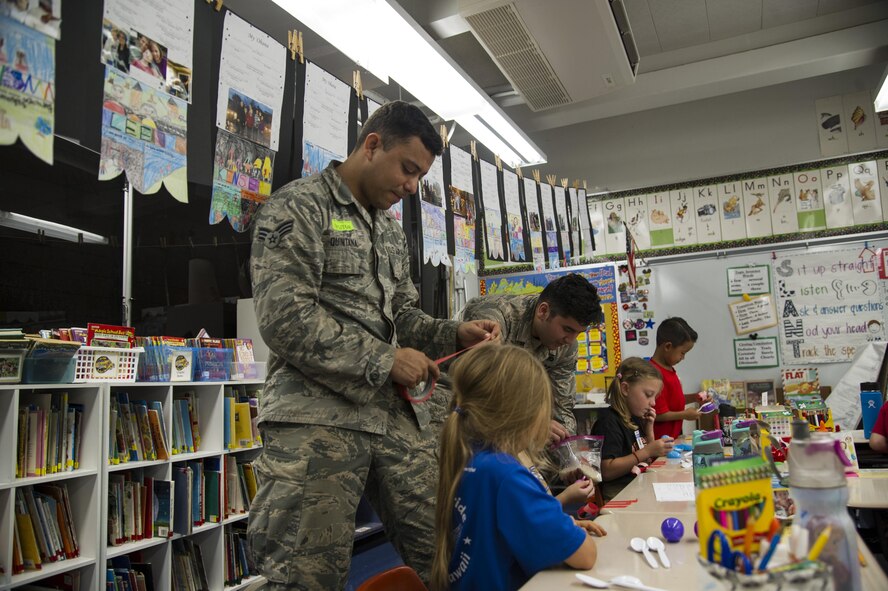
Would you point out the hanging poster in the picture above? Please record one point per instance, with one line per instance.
(636, 215)
(462, 204)
(706, 206)
(143, 134)
(757, 207)
(753, 314)
(550, 226)
(809, 204)
(660, 219)
(866, 201)
(513, 217)
(830, 304)
(749, 280)
(837, 197)
(434, 235)
(324, 120)
(493, 219)
(684, 224)
(730, 200)
(241, 179)
(859, 119)
(597, 226)
(563, 219)
(585, 229)
(830, 126)
(615, 234)
(574, 220)
(150, 41)
(755, 353)
(27, 88)
(534, 220)
(251, 81)
(44, 16)
(781, 192)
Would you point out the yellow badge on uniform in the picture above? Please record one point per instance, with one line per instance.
(343, 225)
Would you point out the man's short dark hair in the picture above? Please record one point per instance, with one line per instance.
(397, 122)
(675, 330)
(572, 296)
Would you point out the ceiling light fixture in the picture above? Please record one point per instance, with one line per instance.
(881, 102)
(28, 224)
(381, 37)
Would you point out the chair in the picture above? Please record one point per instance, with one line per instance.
(400, 578)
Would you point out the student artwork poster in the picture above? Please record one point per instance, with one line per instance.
(324, 119)
(513, 216)
(27, 88)
(549, 226)
(44, 16)
(535, 224)
(493, 224)
(248, 118)
(143, 133)
(150, 41)
(242, 174)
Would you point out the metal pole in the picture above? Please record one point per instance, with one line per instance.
(127, 298)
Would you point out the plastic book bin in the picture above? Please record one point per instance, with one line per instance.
(49, 368)
(244, 371)
(106, 364)
(212, 365)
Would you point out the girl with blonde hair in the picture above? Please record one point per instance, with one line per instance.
(496, 526)
(628, 425)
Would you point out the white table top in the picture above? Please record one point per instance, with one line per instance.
(869, 490)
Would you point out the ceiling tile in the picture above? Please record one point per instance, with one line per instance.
(642, 24)
(729, 18)
(680, 23)
(784, 12)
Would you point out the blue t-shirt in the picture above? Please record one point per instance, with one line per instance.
(507, 527)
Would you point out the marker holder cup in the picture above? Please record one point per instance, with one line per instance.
(813, 576)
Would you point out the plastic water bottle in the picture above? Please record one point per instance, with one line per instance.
(870, 403)
(820, 491)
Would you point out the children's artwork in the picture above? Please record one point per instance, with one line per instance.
(757, 206)
(706, 208)
(731, 213)
(846, 438)
(837, 197)
(830, 303)
(242, 173)
(574, 220)
(830, 126)
(434, 235)
(809, 203)
(143, 134)
(534, 221)
(781, 191)
(684, 221)
(866, 201)
(636, 217)
(513, 217)
(563, 221)
(27, 88)
(44, 16)
(857, 109)
(464, 242)
(585, 228)
(324, 120)
(150, 41)
(432, 186)
(493, 220)
(615, 232)
(550, 228)
(799, 380)
(661, 224)
(252, 69)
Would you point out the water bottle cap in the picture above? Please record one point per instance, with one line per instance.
(869, 387)
(817, 462)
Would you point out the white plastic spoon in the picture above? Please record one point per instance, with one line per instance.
(639, 545)
(626, 581)
(593, 582)
(657, 545)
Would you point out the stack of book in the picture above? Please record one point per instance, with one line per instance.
(44, 527)
(124, 575)
(186, 423)
(49, 434)
(189, 573)
(139, 507)
(239, 562)
(241, 484)
(137, 430)
(13, 346)
(241, 420)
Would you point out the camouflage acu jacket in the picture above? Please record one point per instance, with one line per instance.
(515, 317)
(333, 299)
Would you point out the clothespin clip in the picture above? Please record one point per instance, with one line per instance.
(294, 44)
(356, 83)
(218, 4)
(443, 132)
(518, 172)
(473, 148)
(536, 175)
(564, 183)
(585, 186)
(499, 162)
(552, 179)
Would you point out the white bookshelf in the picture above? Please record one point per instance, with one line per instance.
(87, 486)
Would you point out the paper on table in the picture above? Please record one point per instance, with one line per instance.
(674, 491)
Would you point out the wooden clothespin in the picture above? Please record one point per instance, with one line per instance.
(473, 148)
(444, 134)
(565, 182)
(552, 179)
(357, 84)
(218, 4)
(585, 186)
(499, 162)
(518, 172)
(577, 184)
(536, 174)
(294, 44)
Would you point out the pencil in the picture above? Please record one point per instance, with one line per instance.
(861, 557)
(822, 539)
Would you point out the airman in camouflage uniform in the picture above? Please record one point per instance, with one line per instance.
(547, 326)
(336, 306)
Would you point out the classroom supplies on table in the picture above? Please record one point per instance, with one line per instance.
(777, 417)
(813, 409)
(707, 447)
(745, 438)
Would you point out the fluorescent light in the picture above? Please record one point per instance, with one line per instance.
(381, 37)
(881, 102)
(29, 224)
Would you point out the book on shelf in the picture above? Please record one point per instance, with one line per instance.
(158, 439)
(242, 425)
(212, 486)
(183, 523)
(192, 413)
(145, 432)
(197, 492)
(110, 335)
(183, 420)
(164, 491)
(27, 535)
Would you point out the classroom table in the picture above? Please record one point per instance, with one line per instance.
(869, 490)
(639, 495)
(616, 558)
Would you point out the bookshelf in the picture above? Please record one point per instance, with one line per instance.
(87, 485)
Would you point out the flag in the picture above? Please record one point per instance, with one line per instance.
(630, 256)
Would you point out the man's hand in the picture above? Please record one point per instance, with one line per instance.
(557, 432)
(474, 331)
(412, 367)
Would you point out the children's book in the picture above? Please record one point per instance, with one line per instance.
(737, 395)
(110, 335)
(760, 393)
(164, 512)
(799, 380)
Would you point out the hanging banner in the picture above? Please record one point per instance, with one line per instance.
(513, 217)
(150, 41)
(829, 304)
(534, 221)
(241, 179)
(144, 134)
(563, 225)
(493, 219)
(597, 226)
(684, 226)
(324, 120)
(636, 215)
(585, 229)
(462, 204)
(27, 88)
(574, 220)
(549, 226)
(434, 221)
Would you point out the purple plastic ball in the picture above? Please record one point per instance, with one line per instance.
(672, 529)
(695, 530)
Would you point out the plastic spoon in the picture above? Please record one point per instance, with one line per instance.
(626, 581)
(657, 545)
(639, 545)
(593, 582)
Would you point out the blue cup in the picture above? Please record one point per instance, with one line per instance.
(870, 403)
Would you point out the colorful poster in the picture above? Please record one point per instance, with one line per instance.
(464, 242)
(730, 202)
(44, 16)
(242, 173)
(830, 126)
(637, 220)
(615, 233)
(513, 217)
(563, 220)
(534, 220)
(150, 41)
(757, 206)
(837, 197)
(809, 204)
(829, 304)
(684, 225)
(27, 88)
(866, 193)
(462, 204)
(706, 210)
(783, 207)
(251, 83)
(660, 222)
(550, 227)
(493, 220)
(143, 134)
(860, 121)
(434, 235)
(324, 120)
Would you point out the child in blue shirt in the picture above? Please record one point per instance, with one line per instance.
(496, 526)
